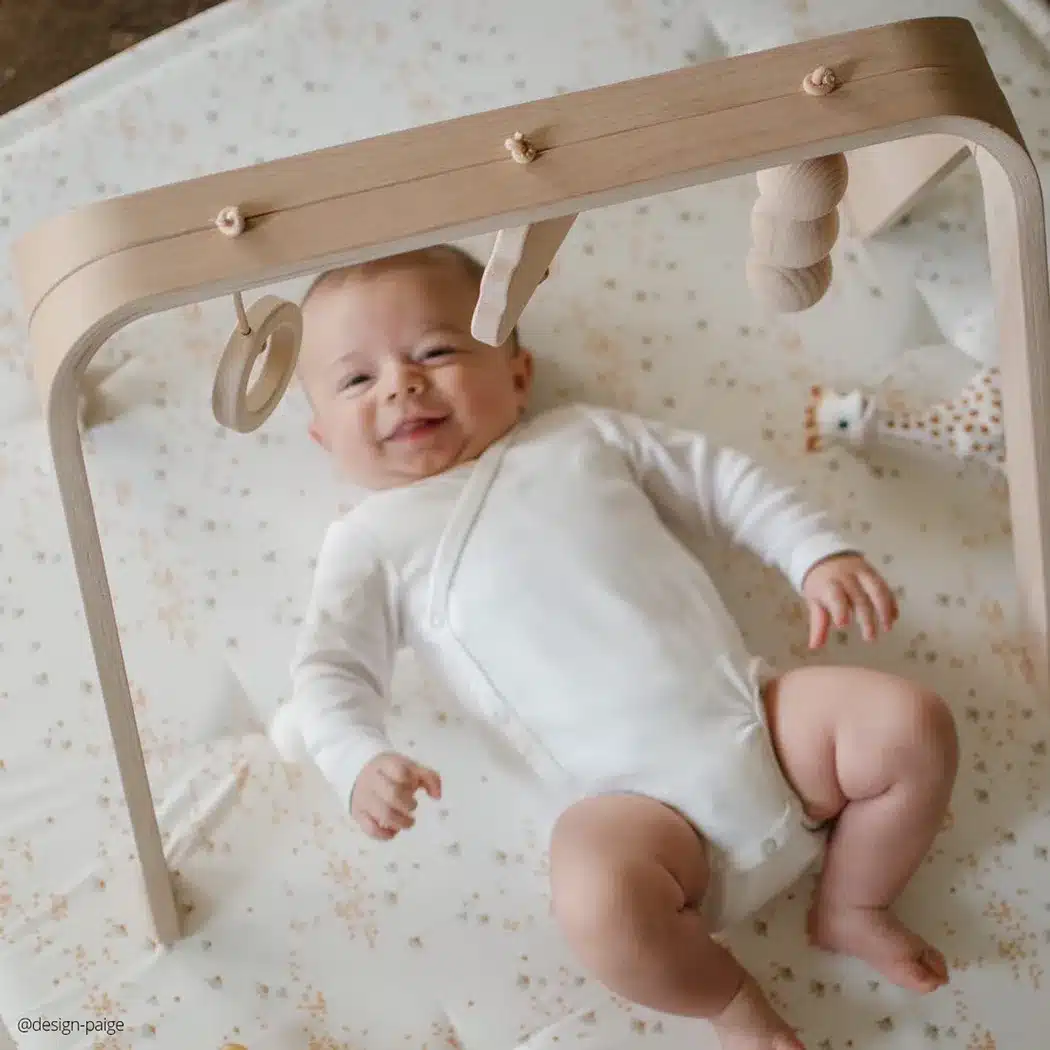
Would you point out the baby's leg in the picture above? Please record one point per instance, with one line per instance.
(880, 754)
(627, 875)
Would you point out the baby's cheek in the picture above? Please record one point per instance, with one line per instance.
(352, 445)
(481, 397)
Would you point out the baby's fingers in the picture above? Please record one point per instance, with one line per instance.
(837, 602)
(819, 623)
(396, 805)
(373, 829)
(882, 598)
(430, 781)
(863, 609)
(408, 776)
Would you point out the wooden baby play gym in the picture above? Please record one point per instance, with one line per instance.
(854, 125)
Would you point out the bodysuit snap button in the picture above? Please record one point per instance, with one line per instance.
(769, 847)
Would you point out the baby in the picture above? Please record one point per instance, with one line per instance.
(545, 568)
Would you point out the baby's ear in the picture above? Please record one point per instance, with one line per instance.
(522, 362)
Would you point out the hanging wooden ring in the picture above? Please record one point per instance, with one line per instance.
(276, 329)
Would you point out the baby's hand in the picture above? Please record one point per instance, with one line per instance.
(843, 585)
(383, 799)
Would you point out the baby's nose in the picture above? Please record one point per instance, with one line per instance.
(407, 381)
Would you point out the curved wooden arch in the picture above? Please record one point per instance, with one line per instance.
(86, 274)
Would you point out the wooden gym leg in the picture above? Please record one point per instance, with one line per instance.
(1017, 254)
(68, 455)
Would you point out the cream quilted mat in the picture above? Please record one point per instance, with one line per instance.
(303, 935)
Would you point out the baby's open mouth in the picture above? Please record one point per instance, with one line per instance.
(413, 429)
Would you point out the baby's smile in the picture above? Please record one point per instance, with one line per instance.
(417, 429)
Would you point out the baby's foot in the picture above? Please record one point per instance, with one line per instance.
(750, 1023)
(876, 936)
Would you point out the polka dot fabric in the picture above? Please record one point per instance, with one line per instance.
(301, 934)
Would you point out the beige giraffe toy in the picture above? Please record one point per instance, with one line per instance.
(969, 427)
(795, 222)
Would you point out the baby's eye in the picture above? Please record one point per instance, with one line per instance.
(358, 379)
(437, 351)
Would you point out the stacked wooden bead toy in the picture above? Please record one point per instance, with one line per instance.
(794, 226)
(795, 222)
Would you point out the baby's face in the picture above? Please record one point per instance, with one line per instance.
(400, 389)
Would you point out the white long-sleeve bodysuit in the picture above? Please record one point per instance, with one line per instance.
(551, 586)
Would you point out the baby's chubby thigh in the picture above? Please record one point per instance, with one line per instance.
(803, 727)
(602, 844)
(628, 874)
(837, 731)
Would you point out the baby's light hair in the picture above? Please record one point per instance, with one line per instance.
(434, 255)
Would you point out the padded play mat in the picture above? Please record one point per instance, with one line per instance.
(303, 935)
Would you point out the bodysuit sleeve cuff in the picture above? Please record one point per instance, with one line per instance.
(342, 764)
(811, 552)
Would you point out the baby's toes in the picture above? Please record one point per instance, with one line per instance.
(925, 972)
(936, 965)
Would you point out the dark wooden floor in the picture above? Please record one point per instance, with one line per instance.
(45, 42)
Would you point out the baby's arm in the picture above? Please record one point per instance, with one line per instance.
(341, 676)
(691, 479)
